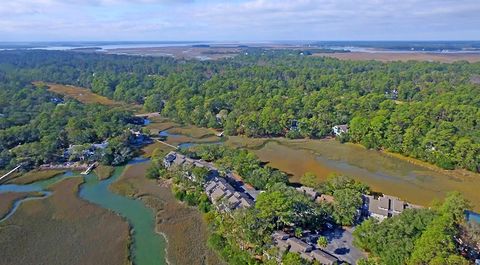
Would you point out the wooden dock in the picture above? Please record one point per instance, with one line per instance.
(10, 172)
(89, 169)
(167, 144)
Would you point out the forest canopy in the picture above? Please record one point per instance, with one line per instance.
(425, 110)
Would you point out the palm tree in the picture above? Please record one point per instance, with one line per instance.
(322, 242)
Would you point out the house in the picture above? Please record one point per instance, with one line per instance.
(324, 257)
(284, 242)
(222, 194)
(225, 196)
(298, 246)
(56, 100)
(340, 129)
(293, 125)
(138, 138)
(307, 191)
(384, 206)
(169, 159)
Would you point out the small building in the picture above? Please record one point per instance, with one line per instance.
(138, 138)
(169, 159)
(384, 206)
(298, 246)
(340, 129)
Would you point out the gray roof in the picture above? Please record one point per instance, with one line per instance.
(384, 202)
(210, 186)
(308, 191)
(306, 256)
(298, 246)
(374, 206)
(217, 194)
(323, 257)
(398, 205)
(280, 235)
(282, 244)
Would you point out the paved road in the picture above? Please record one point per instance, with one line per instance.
(340, 244)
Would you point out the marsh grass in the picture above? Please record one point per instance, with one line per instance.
(33, 176)
(63, 229)
(104, 172)
(9, 198)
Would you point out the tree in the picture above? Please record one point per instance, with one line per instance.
(298, 232)
(275, 206)
(436, 245)
(335, 183)
(292, 259)
(309, 179)
(322, 242)
(346, 205)
(153, 103)
(392, 240)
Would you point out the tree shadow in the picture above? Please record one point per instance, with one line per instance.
(341, 251)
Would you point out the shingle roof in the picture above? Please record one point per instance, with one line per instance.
(280, 235)
(297, 245)
(323, 257)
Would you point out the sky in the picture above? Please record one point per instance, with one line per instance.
(238, 20)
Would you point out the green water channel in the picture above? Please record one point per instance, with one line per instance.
(148, 247)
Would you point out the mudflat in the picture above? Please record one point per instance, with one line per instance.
(63, 229)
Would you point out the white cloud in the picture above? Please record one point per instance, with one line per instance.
(239, 20)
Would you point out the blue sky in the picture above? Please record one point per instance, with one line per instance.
(239, 20)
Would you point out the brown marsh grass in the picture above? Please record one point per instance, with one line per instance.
(63, 229)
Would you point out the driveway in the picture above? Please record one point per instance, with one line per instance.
(340, 244)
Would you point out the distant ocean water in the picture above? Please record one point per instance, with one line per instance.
(63, 46)
(353, 46)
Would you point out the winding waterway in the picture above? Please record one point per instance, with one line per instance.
(148, 247)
